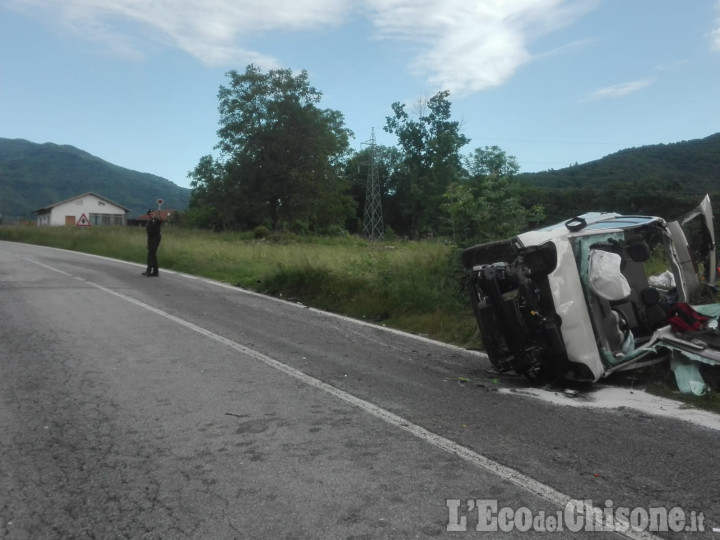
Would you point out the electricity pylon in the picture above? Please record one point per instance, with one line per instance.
(373, 219)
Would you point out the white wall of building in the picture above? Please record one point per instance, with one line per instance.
(96, 211)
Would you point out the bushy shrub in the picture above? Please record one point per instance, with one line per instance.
(335, 230)
(299, 227)
(261, 231)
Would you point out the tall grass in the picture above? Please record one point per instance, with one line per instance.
(411, 286)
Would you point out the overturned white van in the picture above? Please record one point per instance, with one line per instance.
(600, 293)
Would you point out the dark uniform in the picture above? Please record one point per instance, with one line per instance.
(153, 242)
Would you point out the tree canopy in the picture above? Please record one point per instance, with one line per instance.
(285, 163)
(486, 205)
(431, 143)
(280, 158)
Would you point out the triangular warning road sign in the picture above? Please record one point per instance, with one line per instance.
(83, 221)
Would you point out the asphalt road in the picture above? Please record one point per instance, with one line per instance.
(177, 407)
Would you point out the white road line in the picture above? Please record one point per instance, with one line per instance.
(527, 483)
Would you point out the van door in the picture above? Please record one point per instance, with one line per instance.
(693, 246)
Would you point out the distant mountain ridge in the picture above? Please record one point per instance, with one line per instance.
(34, 176)
(694, 164)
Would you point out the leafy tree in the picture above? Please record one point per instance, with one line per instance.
(280, 155)
(491, 161)
(502, 213)
(488, 205)
(210, 206)
(430, 143)
(463, 209)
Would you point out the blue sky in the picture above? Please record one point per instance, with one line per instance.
(551, 82)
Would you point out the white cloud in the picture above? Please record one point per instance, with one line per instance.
(568, 47)
(715, 34)
(461, 45)
(618, 90)
(210, 30)
(672, 66)
(467, 46)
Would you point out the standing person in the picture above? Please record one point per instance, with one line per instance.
(153, 242)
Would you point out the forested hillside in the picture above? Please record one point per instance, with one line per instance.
(695, 164)
(33, 176)
(662, 179)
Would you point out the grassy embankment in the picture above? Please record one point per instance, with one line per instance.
(416, 287)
